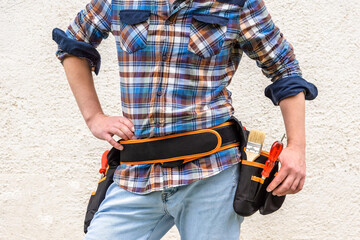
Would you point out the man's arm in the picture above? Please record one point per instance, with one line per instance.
(76, 50)
(262, 41)
(291, 176)
(103, 127)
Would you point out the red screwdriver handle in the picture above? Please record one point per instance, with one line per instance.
(275, 151)
(104, 162)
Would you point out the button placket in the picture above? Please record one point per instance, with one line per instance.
(165, 44)
(160, 91)
(164, 56)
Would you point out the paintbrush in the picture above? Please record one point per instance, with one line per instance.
(254, 145)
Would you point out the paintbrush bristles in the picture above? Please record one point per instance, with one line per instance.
(256, 136)
(255, 142)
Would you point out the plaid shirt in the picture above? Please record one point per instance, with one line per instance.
(175, 63)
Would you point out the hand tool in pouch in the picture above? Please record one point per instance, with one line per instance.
(254, 145)
(109, 162)
(275, 151)
(251, 194)
(104, 164)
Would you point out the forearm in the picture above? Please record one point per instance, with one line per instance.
(293, 111)
(82, 85)
(291, 176)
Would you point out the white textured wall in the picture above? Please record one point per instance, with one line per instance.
(49, 159)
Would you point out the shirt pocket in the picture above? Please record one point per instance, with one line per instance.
(207, 34)
(134, 25)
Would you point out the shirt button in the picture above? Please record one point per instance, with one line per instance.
(164, 57)
(157, 124)
(167, 22)
(159, 93)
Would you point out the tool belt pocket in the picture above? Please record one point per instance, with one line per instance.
(103, 184)
(251, 194)
(98, 196)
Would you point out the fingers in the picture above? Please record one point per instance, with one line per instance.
(291, 176)
(113, 143)
(125, 128)
(277, 180)
(119, 133)
(105, 127)
(290, 185)
(286, 182)
(122, 132)
(285, 187)
(128, 123)
(301, 185)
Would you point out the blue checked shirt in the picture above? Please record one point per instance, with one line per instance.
(175, 63)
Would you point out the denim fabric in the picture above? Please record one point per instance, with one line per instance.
(201, 210)
(77, 48)
(290, 86)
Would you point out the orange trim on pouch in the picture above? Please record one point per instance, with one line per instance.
(257, 179)
(275, 174)
(253, 164)
(102, 179)
(93, 193)
(264, 153)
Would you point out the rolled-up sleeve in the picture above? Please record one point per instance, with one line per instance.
(262, 41)
(85, 33)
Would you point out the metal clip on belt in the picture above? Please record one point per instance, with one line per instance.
(174, 150)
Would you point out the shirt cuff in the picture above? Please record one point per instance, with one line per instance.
(290, 86)
(69, 46)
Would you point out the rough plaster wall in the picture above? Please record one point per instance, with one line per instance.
(50, 160)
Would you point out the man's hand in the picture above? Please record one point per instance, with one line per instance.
(291, 176)
(105, 127)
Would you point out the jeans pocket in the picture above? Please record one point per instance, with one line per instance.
(235, 174)
(133, 29)
(207, 34)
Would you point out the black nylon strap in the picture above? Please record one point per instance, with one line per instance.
(169, 148)
(179, 146)
(173, 147)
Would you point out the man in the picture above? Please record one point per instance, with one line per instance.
(175, 60)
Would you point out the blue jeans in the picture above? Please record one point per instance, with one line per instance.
(202, 210)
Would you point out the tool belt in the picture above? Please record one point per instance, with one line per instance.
(171, 151)
(177, 149)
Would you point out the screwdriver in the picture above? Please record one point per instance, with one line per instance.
(275, 151)
(104, 164)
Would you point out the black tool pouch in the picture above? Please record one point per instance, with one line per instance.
(113, 159)
(251, 194)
